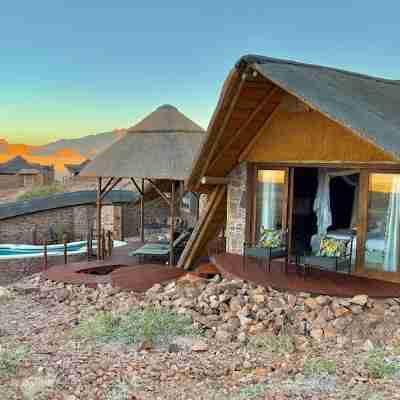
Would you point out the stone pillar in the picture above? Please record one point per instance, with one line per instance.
(202, 203)
(117, 222)
(236, 209)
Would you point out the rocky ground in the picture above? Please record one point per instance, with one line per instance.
(243, 342)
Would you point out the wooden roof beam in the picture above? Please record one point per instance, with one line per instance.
(270, 94)
(162, 195)
(109, 188)
(224, 124)
(137, 187)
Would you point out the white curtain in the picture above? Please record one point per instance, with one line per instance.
(270, 197)
(271, 205)
(322, 202)
(392, 239)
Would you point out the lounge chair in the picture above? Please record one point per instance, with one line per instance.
(161, 250)
(266, 254)
(340, 262)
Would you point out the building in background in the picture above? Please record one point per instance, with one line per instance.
(19, 173)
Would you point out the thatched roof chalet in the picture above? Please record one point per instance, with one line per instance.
(161, 146)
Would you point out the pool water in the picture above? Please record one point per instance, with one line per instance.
(13, 251)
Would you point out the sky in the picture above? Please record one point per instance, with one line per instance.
(73, 68)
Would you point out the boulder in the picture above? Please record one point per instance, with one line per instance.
(361, 300)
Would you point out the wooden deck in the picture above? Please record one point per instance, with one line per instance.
(317, 282)
(120, 270)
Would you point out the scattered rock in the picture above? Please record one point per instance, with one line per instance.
(360, 300)
(200, 347)
(223, 335)
(368, 345)
(4, 293)
(172, 348)
(146, 345)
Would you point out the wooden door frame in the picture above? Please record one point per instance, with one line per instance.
(365, 172)
(252, 170)
(363, 227)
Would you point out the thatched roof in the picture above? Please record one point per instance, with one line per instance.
(19, 163)
(166, 118)
(75, 169)
(161, 146)
(366, 105)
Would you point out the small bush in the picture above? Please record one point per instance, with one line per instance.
(42, 191)
(37, 387)
(252, 391)
(281, 344)
(319, 367)
(380, 365)
(122, 389)
(156, 325)
(11, 359)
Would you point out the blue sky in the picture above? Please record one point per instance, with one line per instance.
(71, 68)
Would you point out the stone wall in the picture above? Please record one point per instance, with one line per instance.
(74, 221)
(11, 182)
(83, 219)
(236, 209)
(156, 213)
(121, 219)
(19, 229)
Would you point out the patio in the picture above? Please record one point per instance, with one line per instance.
(316, 282)
(121, 271)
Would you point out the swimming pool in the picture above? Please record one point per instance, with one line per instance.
(17, 251)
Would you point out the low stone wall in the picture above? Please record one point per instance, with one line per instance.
(16, 269)
(74, 221)
(11, 182)
(123, 219)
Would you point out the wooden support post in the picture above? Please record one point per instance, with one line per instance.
(109, 243)
(140, 190)
(91, 234)
(110, 187)
(65, 241)
(45, 255)
(142, 213)
(98, 205)
(88, 245)
(103, 244)
(172, 206)
(162, 195)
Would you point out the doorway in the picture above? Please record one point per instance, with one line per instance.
(325, 202)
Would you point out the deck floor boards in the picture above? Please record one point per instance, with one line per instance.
(124, 271)
(317, 281)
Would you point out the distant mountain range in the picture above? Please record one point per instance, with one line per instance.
(87, 146)
(63, 151)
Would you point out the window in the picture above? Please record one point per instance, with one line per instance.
(270, 189)
(383, 229)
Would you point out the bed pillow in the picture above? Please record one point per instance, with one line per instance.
(331, 247)
(270, 238)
